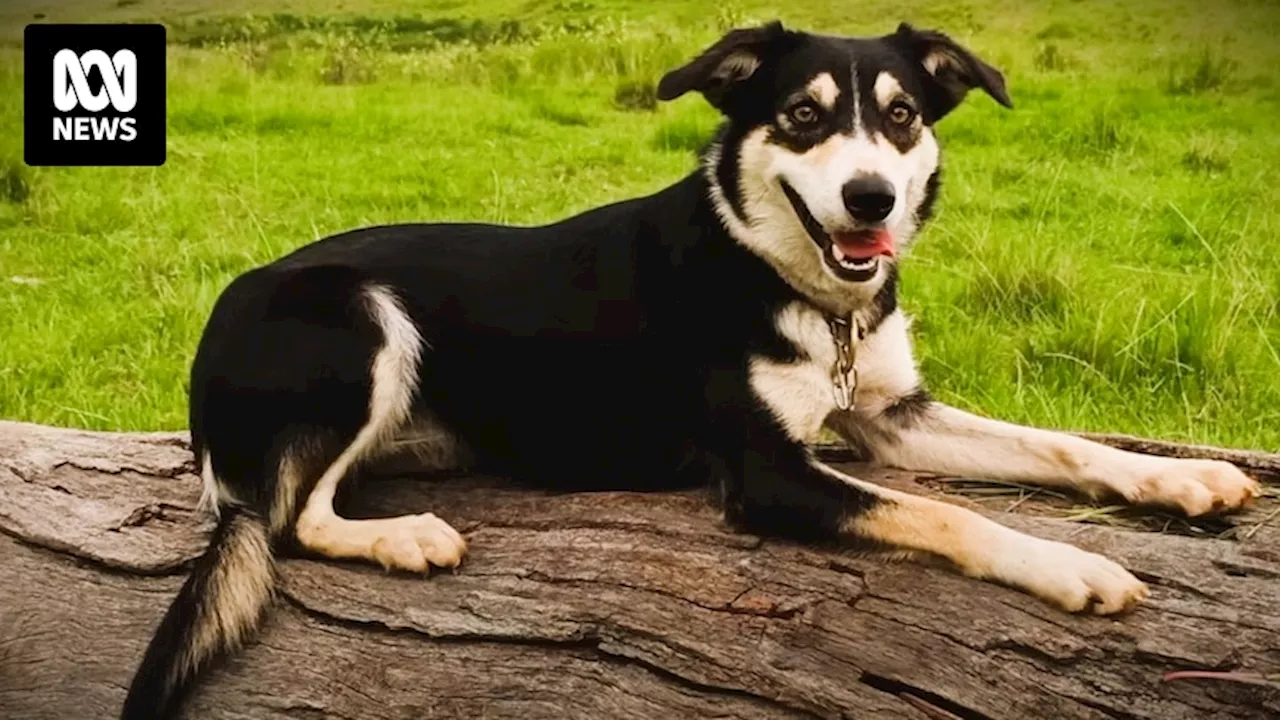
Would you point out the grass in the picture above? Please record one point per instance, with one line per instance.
(1105, 257)
(1006, 497)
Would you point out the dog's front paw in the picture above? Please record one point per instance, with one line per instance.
(1196, 487)
(1074, 580)
(416, 542)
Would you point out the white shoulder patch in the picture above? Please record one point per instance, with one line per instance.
(799, 393)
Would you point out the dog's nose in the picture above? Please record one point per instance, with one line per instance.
(868, 198)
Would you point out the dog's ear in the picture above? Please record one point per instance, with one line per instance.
(950, 71)
(732, 59)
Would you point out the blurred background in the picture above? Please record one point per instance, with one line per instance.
(1105, 256)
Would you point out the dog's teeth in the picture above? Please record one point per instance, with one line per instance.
(849, 263)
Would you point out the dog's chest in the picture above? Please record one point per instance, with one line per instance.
(801, 393)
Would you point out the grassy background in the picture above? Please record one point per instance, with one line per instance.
(1105, 256)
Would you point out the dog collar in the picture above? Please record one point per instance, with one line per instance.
(844, 376)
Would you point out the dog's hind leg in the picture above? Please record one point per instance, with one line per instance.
(283, 404)
(410, 542)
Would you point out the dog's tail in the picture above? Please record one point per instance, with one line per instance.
(222, 602)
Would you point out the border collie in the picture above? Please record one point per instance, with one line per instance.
(703, 334)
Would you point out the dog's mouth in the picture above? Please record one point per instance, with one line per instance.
(853, 255)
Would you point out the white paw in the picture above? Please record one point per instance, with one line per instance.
(1195, 487)
(1073, 579)
(416, 542)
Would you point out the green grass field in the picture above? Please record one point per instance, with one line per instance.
(1105, 257)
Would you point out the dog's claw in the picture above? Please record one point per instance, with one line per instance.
(1075, 580)
(1195, 487)
(416, 542)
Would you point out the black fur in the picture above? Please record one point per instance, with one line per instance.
(609, 350)
(883, 304)
(960, 72)
(929, 206)
(910, 409)
(716, 76)
(164, 678)
(727, 169)
(254, 390)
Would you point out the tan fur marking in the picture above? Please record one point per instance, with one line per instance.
(1064, 459)
(289, 478)
(1064, 575)
(737, 66)
(929, 526)
(823, 152)
(240, 587)
(939, 59)
(823, 89)
(886, 89)
(948, 68)
(212, 494)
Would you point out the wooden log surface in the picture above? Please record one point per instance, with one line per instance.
(613, 605)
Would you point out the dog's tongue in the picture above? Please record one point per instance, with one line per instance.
(865, 244)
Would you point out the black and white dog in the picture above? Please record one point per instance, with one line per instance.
(701, 334)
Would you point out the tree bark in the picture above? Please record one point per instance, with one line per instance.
(609, 605)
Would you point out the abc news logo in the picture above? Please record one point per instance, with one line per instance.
(71, 89)
(94, 95)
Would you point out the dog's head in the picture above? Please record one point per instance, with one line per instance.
(827, 162)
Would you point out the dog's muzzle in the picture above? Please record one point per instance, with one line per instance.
(853, 256)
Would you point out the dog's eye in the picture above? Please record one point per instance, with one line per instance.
(901, 113)
(805, 113)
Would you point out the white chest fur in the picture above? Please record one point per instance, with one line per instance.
(801, 394)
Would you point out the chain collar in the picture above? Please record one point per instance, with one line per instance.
(844, 376)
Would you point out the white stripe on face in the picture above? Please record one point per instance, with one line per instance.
(857, 101)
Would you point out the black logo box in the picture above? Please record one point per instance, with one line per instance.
(43, 41)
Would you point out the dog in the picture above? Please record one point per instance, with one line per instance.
(702, 334)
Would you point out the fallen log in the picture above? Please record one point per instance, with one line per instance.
(609, 605)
